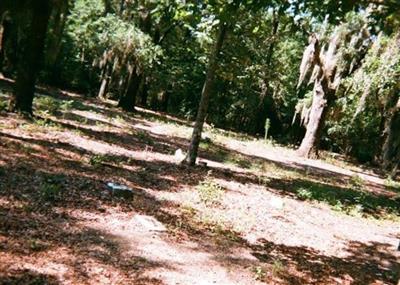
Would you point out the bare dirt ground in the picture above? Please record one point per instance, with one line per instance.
(253, 213)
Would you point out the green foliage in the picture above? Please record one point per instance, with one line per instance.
(47, 105)
(392, 184)
(352, 200)
(277, 267)
(167, 43)
(356, 183)
(210, 192)
(144, 137)
(304, 194)
(97, 160)
(3, 105)
(259, 273)
(50, 191)
(356, 121)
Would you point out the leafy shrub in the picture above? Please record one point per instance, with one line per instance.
(48, 105)
(3, 105)
(356, 183)
(67, 105)
(392, 184)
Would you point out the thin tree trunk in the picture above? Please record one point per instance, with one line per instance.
(205, 96)
(2, 40)
(30, 55)
(104, 81)
(1, 31)
(266, 107)
(128, 101)
(144, 92)
(59, 19)
(165, 100)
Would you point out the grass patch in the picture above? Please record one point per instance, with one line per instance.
(144, 137)
(392, 184)
(351, 201)
(259, 273)
(98, 160)
(210, 192)
(3, 106)
(51, 191)
(47, 105)
(51, 106)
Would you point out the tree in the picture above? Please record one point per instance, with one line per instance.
(391, 146)
(328, 66)
(32, 19)
(205, 96)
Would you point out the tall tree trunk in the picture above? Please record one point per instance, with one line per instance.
(205, 96)
(144, 92)
(105, 79)
(128, 101)
(58, 20)
(107, 7)
(166, 94)
(2, 39)
(31, 54)
(391, 146)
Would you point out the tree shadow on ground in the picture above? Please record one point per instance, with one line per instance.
(342, 198)
(364, 264)
(84, 189)
(34, 226)
(27, 277)
(151, 174)
(24, 172)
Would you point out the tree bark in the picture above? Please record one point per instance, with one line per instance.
(315, 122)
(2, 39)
(205, 96)
(107, 7)
(59, 18)
(31, 54)
(104, 81)
(128, 101)
(144, 92)
(165, 100)
(391, 146)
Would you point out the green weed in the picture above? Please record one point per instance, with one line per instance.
(356, 183)
(277, 267)
(392, 184)
(144, 137)
(97, 160)
(50, 191)
(304, 194)
(3, 105)
(259, 273)
(47, 104)
(210, 192)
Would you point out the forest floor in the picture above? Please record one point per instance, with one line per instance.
(251, 213)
